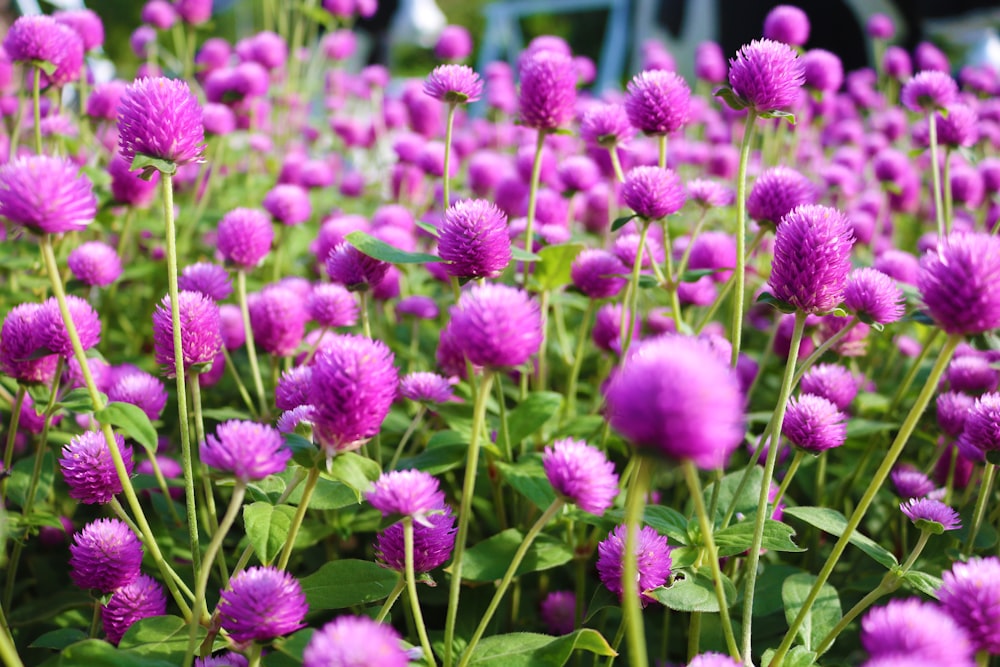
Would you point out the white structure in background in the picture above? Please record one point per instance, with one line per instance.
(101, 68)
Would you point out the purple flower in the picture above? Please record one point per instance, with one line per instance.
(454, 43)
(712, 659)
(407, 492)
(293, 388)
(880, 26)
(653, 560)
(960, 283)
(474, 240)
(277, 319)
(970, 374)
(767, 75)
(873, 296)
(21, 337)
(558, 612)
(658, 102)
(581, 475)
(653, 193)
(354, 385)
(953, 409)
(814, 424)
(776, 192)
(55, 337)
(812, 257)
(142, 390)
(710, 62)
(85, 23)
(160, 118)
(598, 273)
(105, 556)
(332, 305)
(548, 90)
(822, 70)
(496, 326)
(244, 237)
(433, 541)
(143, 598)
(47, 195)
(353, 269)
(714, 251)
(128, 187)
(355, 641)
(831, 381)
(970, 593)
(228, 659)
(194, 12)
(453, 84)
(88, 469)
(911, 483)
(915, 629)
(982, 426)
(201, 334)
(606, 126)
(262, 603)
(43, 39)
(787, 24)
(95, 263)
(673, 395)
(288, 203)
(958, 128)
(925, 512)
(246, 450)
(928, 91)
(207, 278)
(426, 387)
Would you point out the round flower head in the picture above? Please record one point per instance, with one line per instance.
(714, 251)
(354, 269)
(581, 474)
(277, 319)
(710, 62)
(55, 337)
(201, 332)
(244, 237)
(21, 337)
(355, 641)
(143, 598)
(558, 612)
(953, 408)
(288, 204)
(433, 541)
(652, 192)
(104, 556)
(207, 278)
(814, 424)
(496, 326)
(419, 306)
(548, 90)
(160, 14)
(454, 43)
(426, 387)
(354, 385)
(675, 396)
(767, 75)
(970, 593)
(913, 628)
(474, 240)
(128, 187)
(453, 84)
(658, 102)
(47, 195)
(971, 374)
(928, 91)
(653, 561)
(606, 126)
(218, 119)
(713, 659)
(823, 70)
(931, 515)
(86, 23)
(959, 283)
(910, 482)
(880, 26)
(103, 100)
(142, 390)
(88, 469)
(95, 263)
(246, 450)
(788, 24)
(42, 39)
(598, 273)
(831, 381)
(406, 492)
(262, 603)
(776, 192)
(958, 127)
(194, 12)
(873, 296)
(812, 257)
(160, 118)
(982, 426)
(292, 390)
(332, 305)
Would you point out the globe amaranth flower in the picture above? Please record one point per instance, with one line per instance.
(246, 450)
(47, 195)
(42, 39)
(227, 659)
(814, 424)
(332, 305)
(355, 641)
(194, 12)
(277, 319)
(95, 263)
(715, 251)
(433, 541)
(913, 628)
(88, 469)
(911, 483)
(581, 475)
(880, 26)
(767, 75)
(496, 326)
(787, 24)
(873, 296)
(208, 278)
(426, 387)
(558, 612)
(710, 62)
(673, 395)
(21, 338)
(293, 388)
(982, 426)
(958, 127)
(953, 408)
(52, 327)
(105, 555)
(128, 187)
(354, 269)
(354, 385)
(406, 492)
(822, 70)
(971, 374)
(141, 390)
(970, 593)
(288, 203)
(86, 23)
(548, 90)
(713, 659)
(262, 603)
(474, 240)
(160, 118)
(598, 273)
(201, 332)
(931, 515)
(928, 91)
(453, 84)
(244, 237)
(143, 598)
(812, 257)
(653, 192)
(606, 126)
(959, 283)
(454, 43)
(776, 192)
(653, 557)
(658, 102)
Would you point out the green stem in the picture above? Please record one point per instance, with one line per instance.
(8, 452)
(255, 654)
(907, 428)
(985, 491)
(632, 292)
(446, 179)
(661, 145)
(946, 187)
(753, 557)
(581, 347)
(258, 382)
(366, 326)
(242, 388)
(792, 469)
(8, 652)
(671, 280)
(942, 225)
(694, 486)
(536, 173)
(616, 163)
(391, 600)
(503, 432)
(36, 83)
(635, 631)
(465, 510)
(736, 324)
(411, 587)
(889, 583)
(300, 514)
(818, 353)
(406, 436)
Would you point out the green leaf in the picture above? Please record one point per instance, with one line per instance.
(97, 653)
(133, 421)
(522, 255)
(267, 528)
(328, 495)
(381, 250)
(647, 281)
(528, 478)
(694, 275)
(777, 113)
(621, 222)
(436, 460)
(824, 614)
(288, 650)
(225, 414)
(747, 501)
(345, 583)
(664, 520)
(149, 164)
(833, 522)
(528, 649)
(695, 592)
(730, 98)
(775, 302)
(532, 414)
(488, 560)
(925, 583)
(738, 538)
(355, 471)
(767, 600)
(59, 639)
(428, 227)
(78, 400)
(553, 270)
(858, 428)
(799, 656)
(20, 479)
(159, 637)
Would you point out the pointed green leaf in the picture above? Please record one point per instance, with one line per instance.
(133, 421)
(488, 560)
(831, 521)
(737, 538)
(621, 222)
(777, 113)
(381, 250)
(799, 656)
(531, 414)
(527, 649)
(149, 164)
(345, 583)
(59, 639)
(267, 528)
(97, 653)
(163, 637)
(925, 583)
(553, 270)
(20, 479)
(731, 99)
(522, 255)
(357, 472)
(694, 592)
(822, 617)
(528, 478)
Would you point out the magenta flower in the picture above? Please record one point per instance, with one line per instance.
(41, 38)
(960, 283)
(558, 612)
(201, 333)
(814, 424)
(970, 593)
(95, 263)
(776, 192)
(598, 273)
(105, 556)
(548, 90)
(953, 408)
(873, 296)
(207, 278)
(88, 469)
(143, 598)
(710, 62)
(47, 195)
(653, 193)
(160, 118)
(928, 91)
(332, 305)
(227, 659)
(262, 603)
(354, 269)
(606, 126)
(812, 257)
(433, 541)
(787, 24)
(653, 560)
(194, 12)
(454, 43)
(982, 426)
(277, 319)
(128, 187)
(581, 475)
(411, 493)
(246, 450)
(822, 70)
(55, 337)
(142, 390)
(715, 251)
(355, 641)
(21, 338)
(713, 659)
(910, 482)
(85, 23)
(915, 629)
(658, 102)
(474, 240)
(426, 387)
(833, 382)
(766, 75)
(880, 26)
(496, 326)
(288, 204)
(453, 84)
(925, 512)
(244, 237)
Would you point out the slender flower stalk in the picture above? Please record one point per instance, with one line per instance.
(36, 82)
(635, 631)
(536, 174)
(391, 600)
(258, 382)
(793, 468)
(446, 178)
(632, 291)
(985, 493)
(411, 587)
(15, 417)
(739, 274)
(581, 346)
(943, 224)
(300, 514)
